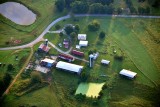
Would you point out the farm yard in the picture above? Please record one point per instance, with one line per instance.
(82, 61)
(123, 35)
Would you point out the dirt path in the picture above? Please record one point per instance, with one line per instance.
(21, 70)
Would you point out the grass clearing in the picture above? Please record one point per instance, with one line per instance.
(89, 89)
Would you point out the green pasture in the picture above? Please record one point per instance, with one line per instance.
(42, 97)
(125, 35)
(9, 57)
(89, 89)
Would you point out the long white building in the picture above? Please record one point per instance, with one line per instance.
(69, 67)
(128, 73)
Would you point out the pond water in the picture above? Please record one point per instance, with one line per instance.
(17, 13)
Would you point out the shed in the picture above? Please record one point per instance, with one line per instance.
(69, 67)
(83, 43)
(128, 73)
(106, 62)
(66, 57)
(82, 36)
(47, 62)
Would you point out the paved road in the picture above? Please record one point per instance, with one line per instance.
(66, 17)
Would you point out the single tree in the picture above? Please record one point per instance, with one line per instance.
(69, 29)
(60, 4)
(102, 35)
(36, 77)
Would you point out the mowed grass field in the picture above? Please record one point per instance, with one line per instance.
(9, 57)
(131, 36)
(46, 13)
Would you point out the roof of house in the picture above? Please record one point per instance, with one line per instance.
(44, 47)
(127, 73)
(48, 60)
(105, 61)
(69, 66)
(83, 43)
(82, 36)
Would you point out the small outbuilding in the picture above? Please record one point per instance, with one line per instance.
(83, 43)
(69, 67)
(43, 48)
(47, 62)
(82, 36)
(105, 62)
(128, 73)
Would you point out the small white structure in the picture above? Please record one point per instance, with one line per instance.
(83, 43)
(106, 62)
(95, 55)
(69, 67)
(128, 73)
(78, 47)
(82, 36)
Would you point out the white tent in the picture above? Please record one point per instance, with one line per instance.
(82, 36)
(83, 43)
(69, 67)
(128, 73)
(105, 61)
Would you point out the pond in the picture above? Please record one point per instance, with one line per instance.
(17, 13)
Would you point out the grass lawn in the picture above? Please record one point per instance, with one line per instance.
(44, 97)
(89, 89)
(129, 37)
(10, 31)
(9, 57)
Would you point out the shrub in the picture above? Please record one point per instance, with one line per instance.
(57, 27)
(36, 77)
(94, 26)
(102, 35)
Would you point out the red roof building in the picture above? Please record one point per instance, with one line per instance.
(66, 57)
(44, 48)
(78, 53)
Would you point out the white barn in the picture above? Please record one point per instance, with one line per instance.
(82, 36)
(83, 43)
(106, 62)
(128, 73)
(69, 67)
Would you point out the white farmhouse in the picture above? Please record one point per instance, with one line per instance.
(83, 43)
(82, 36)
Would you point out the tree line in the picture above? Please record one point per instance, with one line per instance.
(102, 6)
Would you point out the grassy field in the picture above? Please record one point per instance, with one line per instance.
(9, 57)
(89, 89)
(10, 31)
(129, 37)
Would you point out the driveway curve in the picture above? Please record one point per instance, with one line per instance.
(66, 17)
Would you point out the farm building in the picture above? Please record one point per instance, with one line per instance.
(69, 67)
(105, 62)
(78, 53)
(83, 43)
(128, 73)
(66, 57)
(47, 62)
(95, 55)
(43, 48)
(82, 36)
(66, 43)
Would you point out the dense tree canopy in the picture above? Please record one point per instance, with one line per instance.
(60, 4)
(80, 7)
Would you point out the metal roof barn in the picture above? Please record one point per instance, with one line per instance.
(69, 67)
(127, 73)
